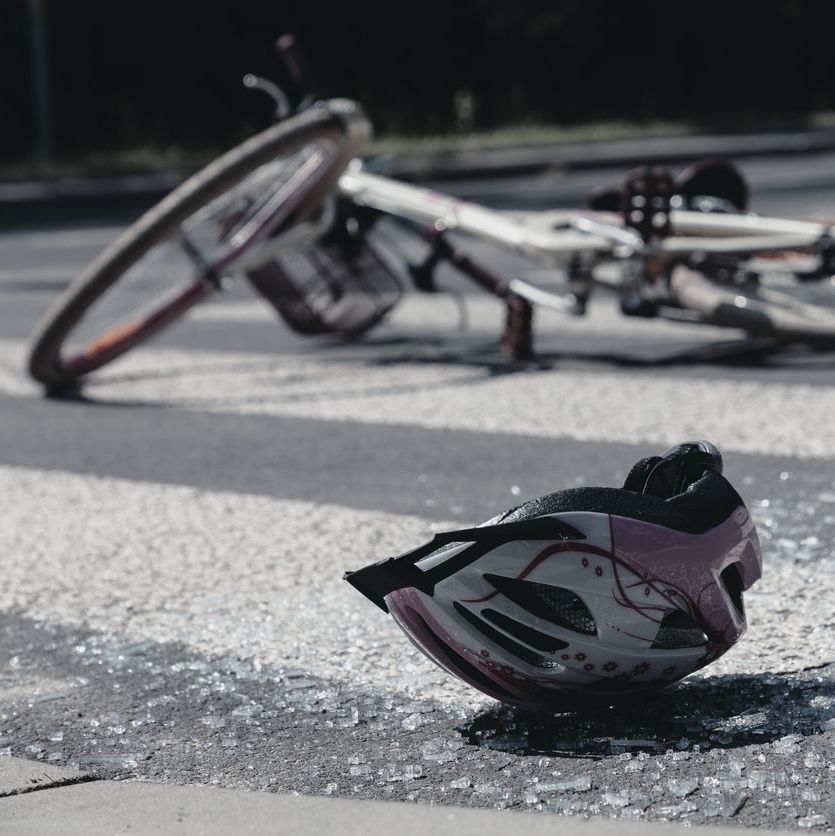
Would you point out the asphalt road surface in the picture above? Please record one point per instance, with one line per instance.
(172, 547)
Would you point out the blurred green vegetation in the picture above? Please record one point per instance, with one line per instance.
(166, 74)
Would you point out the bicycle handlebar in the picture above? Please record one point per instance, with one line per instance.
(290, 52)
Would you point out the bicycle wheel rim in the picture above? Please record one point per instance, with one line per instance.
(169, 278)
(761, 312)
(320, 141)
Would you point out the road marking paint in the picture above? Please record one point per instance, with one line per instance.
(36, 274)
(232, 573)
(744, 416)
(60, 239)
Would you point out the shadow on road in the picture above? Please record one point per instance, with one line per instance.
(719, 711)
(743, 353)
(475, 360)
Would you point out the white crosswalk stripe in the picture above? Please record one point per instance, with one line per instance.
(203, 552)
(229, 573)
(145, 559)
(743, 416)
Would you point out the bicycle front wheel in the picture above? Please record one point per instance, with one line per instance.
(760, 311)
(176, 253)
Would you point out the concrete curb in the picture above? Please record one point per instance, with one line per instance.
(18, 776)
(107, 807)
(34, 201)
(53, 200)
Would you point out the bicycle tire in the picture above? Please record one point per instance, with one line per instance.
(759, 312)
(338, 125)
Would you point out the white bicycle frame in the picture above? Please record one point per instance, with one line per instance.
(554, 237)
(572, 240)
(577, 242)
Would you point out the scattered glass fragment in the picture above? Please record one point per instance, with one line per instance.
(582, 783)
(682, 787)
(732, 803)
(46, 697)
(394, 772)
(617, 799)
(439, 750)
(812, 820)
(127, 761)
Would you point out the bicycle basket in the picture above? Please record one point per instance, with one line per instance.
(329, 285)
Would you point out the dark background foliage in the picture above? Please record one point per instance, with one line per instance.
(167, 72)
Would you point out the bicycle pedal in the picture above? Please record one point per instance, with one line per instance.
(578, 305)
(639, 307)
(423, 277)
(646, 201)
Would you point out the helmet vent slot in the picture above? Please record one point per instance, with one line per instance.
(459, 664)
(535, 638)
(552, 603)
(678, 630)
(732, 580)
(503, 641)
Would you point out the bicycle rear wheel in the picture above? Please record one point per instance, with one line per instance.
(176, 253)
(760, 311)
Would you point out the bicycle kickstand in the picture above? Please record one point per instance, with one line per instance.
(517, 340)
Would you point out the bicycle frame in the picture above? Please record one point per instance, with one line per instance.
(652, 246)
(577, 242)
(558, 236)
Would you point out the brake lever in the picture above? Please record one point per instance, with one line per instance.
(282, 104)
(616, 234)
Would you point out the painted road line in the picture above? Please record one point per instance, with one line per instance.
(231, 573)
(91, 238)
(483, 316)
(743, 416)
(35, 274)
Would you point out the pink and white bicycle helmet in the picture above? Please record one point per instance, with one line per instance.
(583, 592)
